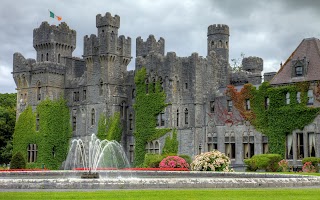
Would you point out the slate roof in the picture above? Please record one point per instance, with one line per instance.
(309, 48)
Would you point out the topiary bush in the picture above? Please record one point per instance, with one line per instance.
(18, 161)
(152, 160)
(211, 161)
(173, 162)
(268, 162)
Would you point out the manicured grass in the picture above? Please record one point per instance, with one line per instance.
(216, 194)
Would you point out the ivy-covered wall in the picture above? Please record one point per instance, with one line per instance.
(52, 137)
(171, 144)
(279, 118)
(110, 128)
(149, 102)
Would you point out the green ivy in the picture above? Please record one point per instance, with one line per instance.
(147, 107)
(171, 144)
(110, 128)
(280, 118)
(52, 138)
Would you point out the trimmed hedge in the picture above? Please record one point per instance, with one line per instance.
(152, 160)
(314, 160)
(268, 162)
(18, 161)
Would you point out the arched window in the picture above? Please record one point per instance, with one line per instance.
(186, 116)
(38, 91)
(93, 117)
(47, 57)
(212, 43)
(32, 153)
(59, 58)
(220, 44)
(74, 123)
(101, 87)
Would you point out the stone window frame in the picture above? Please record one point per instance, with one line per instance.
(212, 141)
(248, 142)
(153, 147)
(299, 67)
(32, 153)
(230, 142)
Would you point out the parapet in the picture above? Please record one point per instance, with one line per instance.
(268, 76)
(89, 45)
(144, 48)
(107, 20)
(252, 64)
(218, 29)
(60, 34)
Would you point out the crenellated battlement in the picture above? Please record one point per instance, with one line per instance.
(218, 29)
(107, 20)
(144, 48)
(52, 34)
(90, 44)
(252, 64)
(124, 46)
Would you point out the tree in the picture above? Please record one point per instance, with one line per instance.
(7, 123)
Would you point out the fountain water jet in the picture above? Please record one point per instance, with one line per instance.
(95, 155)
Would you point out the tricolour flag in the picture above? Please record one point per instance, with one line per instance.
(52, 15)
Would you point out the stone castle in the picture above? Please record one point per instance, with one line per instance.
(99, 83)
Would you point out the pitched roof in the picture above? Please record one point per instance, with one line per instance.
(309, 49)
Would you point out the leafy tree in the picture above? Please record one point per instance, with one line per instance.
(7, 123)
(18, 161)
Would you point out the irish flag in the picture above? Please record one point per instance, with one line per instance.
(52, 15)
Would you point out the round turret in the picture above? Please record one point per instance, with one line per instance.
(218, 29)
(252, 64)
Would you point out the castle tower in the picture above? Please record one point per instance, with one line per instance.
(52, 43)
(218, 41)
(253, 65)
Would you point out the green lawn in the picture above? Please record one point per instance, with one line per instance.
(215, 194)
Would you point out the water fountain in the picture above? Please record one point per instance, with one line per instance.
(95, 155)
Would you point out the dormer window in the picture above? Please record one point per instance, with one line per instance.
(298, 71)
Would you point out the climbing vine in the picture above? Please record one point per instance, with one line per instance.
(110, 128)
(171, 144)
(52, 137)
(150, 101)
(281, 116)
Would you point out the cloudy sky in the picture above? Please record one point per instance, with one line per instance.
(268, 29)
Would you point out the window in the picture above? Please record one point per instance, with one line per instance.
(32, 153)
(266, 103)
(186, 86)
(53, 151)
(37, 122)
(161, 119)
(41, 57)
(310, 97)
(230, 147)
(229, 105)
(153, 147)
(177, 117)
(147, 86)
(248, 104)
(130, 122)
(74, 123)
(186, 116)
(59, 58)
(289, 146)
(84, 94)
(123, 110)
(47, 57)
(265, 147)
(101, 88)
(300, 147)
(212, 142)
(93, 117)
(288, 98)
(311, 145)
(298, 97)
(154, 85)
(248, 146)
(156, 148)
(76, 96)
(212, 106)
(299, 71)
(133, 93)
(39, 91)
(131, 153)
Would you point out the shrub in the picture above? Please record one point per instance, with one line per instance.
(152, 160)
(283, 165)
(18, 161)
(211, 161)
(173, 162)
(315, 161)
(268, 162)
(308, 167)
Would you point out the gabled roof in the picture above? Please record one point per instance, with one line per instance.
(309, 49)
